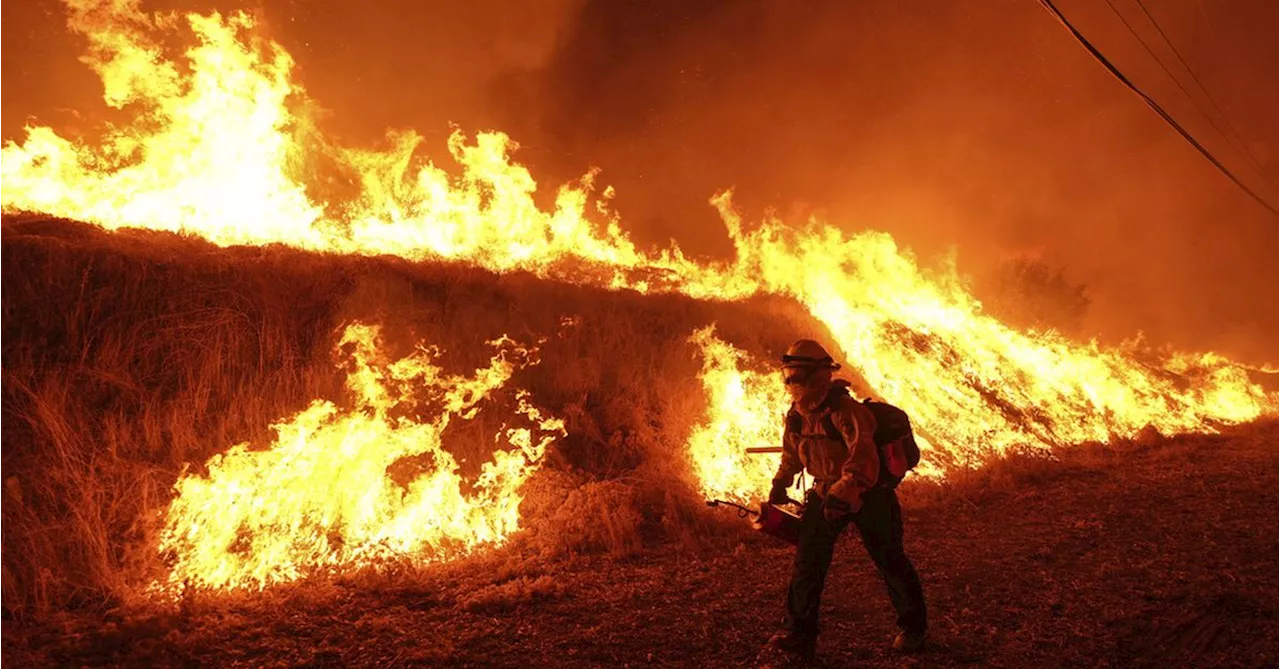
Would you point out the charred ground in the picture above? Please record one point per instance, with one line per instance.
(129, 356)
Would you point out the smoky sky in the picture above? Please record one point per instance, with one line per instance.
(978, 127)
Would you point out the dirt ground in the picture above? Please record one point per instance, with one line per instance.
(1155, 553)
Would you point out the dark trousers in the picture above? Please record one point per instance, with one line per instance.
(879, 521)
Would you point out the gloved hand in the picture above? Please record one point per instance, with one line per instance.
(778, 493)
(835, 508)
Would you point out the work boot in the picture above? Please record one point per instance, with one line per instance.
(909, 642)
(794, 643)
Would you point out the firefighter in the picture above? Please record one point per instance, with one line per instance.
(829, 434)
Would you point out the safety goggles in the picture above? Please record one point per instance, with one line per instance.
(793, 375)
(798, 368)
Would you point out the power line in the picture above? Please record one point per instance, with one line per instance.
(1053, 9)
(1248, 157)
(1230, 126)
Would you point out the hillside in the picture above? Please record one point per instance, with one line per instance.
(129, 357)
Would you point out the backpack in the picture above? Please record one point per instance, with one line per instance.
(899, 452)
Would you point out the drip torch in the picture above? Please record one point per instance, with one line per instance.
(771, 519)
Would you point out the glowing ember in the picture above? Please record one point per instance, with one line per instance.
(321, 497)
(214, 151)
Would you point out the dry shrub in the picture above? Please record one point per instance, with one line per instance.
(656, 503)
(600, 516)
(508, 595)
(544, 493)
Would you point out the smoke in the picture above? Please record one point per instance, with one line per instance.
(976, 126)
(979, 127)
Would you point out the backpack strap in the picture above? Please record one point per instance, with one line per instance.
(794, 423)
(829, 425)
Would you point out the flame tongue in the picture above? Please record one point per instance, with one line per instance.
(321, 497)
(210, 153)
(207, 151)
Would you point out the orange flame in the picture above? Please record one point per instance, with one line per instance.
(320, 498)
(745, 410)
(974, 387)
(215, 149)
(207, 151)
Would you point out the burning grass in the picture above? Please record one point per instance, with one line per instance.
(165, 350)
(131, 357)
(216, 140)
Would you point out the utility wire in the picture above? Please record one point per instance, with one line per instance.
(1053, 9)
(1213, 122)
(1230, 126)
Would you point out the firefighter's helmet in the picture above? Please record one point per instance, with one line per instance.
(808, 353)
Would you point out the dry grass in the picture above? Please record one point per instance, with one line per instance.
(1017, 470)
(128, 357)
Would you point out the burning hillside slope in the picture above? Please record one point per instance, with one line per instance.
(163, 352)
(217, 145)
(216, 149)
